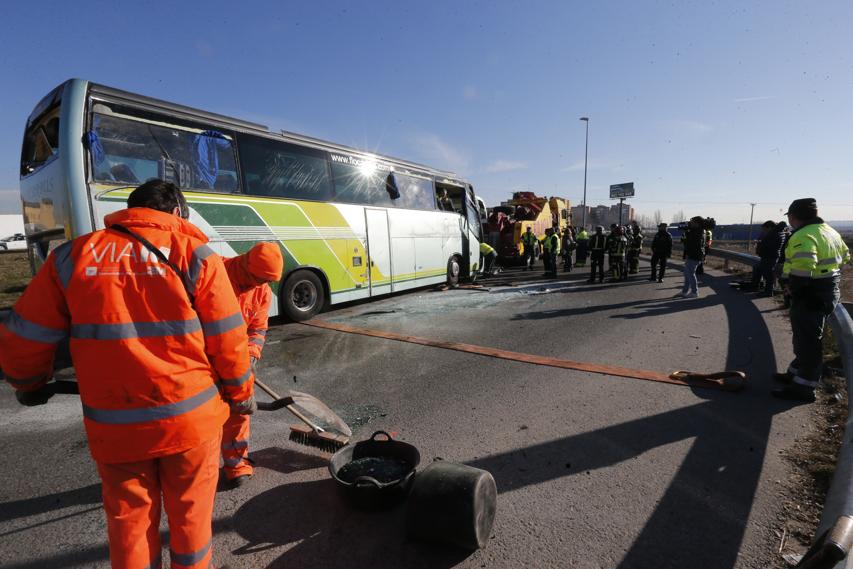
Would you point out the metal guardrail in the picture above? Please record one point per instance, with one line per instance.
(834, 534)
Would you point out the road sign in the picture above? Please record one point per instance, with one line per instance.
(625, 190)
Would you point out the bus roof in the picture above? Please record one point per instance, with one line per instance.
(257, 128)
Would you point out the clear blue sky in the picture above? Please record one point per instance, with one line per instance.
(706, 106)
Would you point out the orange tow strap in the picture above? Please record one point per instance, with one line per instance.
(726, 381)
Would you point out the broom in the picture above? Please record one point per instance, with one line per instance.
(333, 437)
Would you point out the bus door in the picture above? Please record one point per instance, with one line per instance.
(472, 236)
(378, 250)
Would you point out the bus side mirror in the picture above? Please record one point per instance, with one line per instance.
(391, 187)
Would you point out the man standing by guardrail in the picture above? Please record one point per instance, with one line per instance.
(812, 273)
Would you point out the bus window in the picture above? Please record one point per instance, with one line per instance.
(41, 141)
(450, 198)
(415, 192)
(361, 181)
(283, 170)
(129, 146)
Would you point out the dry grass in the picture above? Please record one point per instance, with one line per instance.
(812, 458)
(14, 277)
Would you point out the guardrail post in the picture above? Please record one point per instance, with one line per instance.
(832, 546)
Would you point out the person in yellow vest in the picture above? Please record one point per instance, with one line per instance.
(550, 251)
(489, 257)
(814, 256)
(529, 243)
(583, 247)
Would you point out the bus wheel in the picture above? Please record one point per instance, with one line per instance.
(453, 270)
(303, 296)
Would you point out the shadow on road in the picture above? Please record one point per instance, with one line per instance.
(326, 531)
(701, 519)
(44, 504)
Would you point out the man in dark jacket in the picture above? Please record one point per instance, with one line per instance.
(694, 252)
(597, 246)
(661, 251)
(768, 248)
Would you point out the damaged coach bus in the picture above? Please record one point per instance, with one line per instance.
(350, 224)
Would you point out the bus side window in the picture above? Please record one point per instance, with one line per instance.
(41, 142)
(283, 170)
(129, 145)
(362, 183)
(415, 192)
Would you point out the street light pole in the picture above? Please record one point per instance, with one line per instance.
(585, 157)
(749, 241)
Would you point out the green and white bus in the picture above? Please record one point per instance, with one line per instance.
(351, 224)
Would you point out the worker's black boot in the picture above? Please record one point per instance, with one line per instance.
(783, 377)
(795, 392)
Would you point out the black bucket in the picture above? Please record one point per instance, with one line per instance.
(376, 473)
(453, 503)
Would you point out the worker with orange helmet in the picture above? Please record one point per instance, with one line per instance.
(160, 350)
(249, 274)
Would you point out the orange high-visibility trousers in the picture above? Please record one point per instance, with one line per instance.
(132, 490)
(235, 446)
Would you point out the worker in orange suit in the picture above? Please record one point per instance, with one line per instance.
(249, 274)
(160, 350)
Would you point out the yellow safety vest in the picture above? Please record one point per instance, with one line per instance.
(583, 235)
(815, 251)
(486, 249)
(529, 239)
(551, 244)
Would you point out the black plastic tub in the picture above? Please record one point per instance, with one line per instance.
(376, 473)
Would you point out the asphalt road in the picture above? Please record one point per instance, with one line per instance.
(592, 471)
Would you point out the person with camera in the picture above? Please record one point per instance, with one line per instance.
(694, 253)
(814, 256)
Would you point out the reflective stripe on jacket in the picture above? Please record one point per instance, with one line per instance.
(815, 251)
(598, 241)
(618, 246)
(150, 365)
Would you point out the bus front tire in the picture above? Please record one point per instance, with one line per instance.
(453, 270)
(303, 296)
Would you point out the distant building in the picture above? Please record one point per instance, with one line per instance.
(602, 215)
(11, 224)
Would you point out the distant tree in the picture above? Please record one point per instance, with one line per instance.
(679, 216)
(644, 221)
(658, 217)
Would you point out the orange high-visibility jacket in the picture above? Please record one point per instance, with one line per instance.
(255, 301)
(150, 366)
